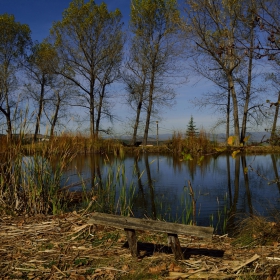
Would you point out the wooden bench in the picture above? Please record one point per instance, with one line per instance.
(131, 224)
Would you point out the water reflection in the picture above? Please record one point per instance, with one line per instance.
(223, 187)
(274, 165)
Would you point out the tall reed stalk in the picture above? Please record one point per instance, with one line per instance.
(30, 183)
(188, 207)
(112, 192)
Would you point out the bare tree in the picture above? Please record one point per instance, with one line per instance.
(89, 40)
(155, 48)
(14, 41)
(268, 21)
(59, 102)
(267, 18)
(135, 78)
(40, 68)
(109, 74)
(224, 32)
(273, 78)
(218, 98)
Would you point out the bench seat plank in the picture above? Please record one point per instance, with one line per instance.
(149, 225)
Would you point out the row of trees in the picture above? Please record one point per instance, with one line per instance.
(222, 40)
(230, 37)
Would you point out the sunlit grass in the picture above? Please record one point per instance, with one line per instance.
(194, 145)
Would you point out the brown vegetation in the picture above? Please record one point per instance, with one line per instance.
(67, 247)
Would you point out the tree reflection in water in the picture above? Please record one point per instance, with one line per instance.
(159, 182)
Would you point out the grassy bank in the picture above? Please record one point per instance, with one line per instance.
(199, 144)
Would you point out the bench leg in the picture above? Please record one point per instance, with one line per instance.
(174, 242)
(132, 242)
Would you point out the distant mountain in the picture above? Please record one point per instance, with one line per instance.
(220, 137)
(254, 136)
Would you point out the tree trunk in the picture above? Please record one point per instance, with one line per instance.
(140, 93)
(55, 117)
(7, 113)
(248, 89)
(274, 125)
(149, 109)
(91, 112)
(40, 110)
(99, 111)
(136, 124)
(9, 125)
(235, 109)
(228, 116)
(232, 66)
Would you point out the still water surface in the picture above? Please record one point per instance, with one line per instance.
(223, 186)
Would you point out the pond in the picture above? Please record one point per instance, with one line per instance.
(158, 186)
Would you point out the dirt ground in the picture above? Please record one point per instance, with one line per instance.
(67, 247)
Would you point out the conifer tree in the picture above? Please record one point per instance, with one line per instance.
(191, 129)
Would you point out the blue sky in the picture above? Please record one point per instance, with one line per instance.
(40, 14)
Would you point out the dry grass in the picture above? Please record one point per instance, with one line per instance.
(177, 143)
(195, 145)
(67, 247)
(257, 231)
(3, 144)
(30, 182)
(85, 144)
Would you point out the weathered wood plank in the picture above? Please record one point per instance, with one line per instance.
(254, 258)
(174, 243)
(149, 225)
(132, 242)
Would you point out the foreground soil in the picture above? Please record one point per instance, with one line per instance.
(67, 247)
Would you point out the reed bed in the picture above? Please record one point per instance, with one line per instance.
(30, 182)
(196, 144)
(31, 175)
(82, 144)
